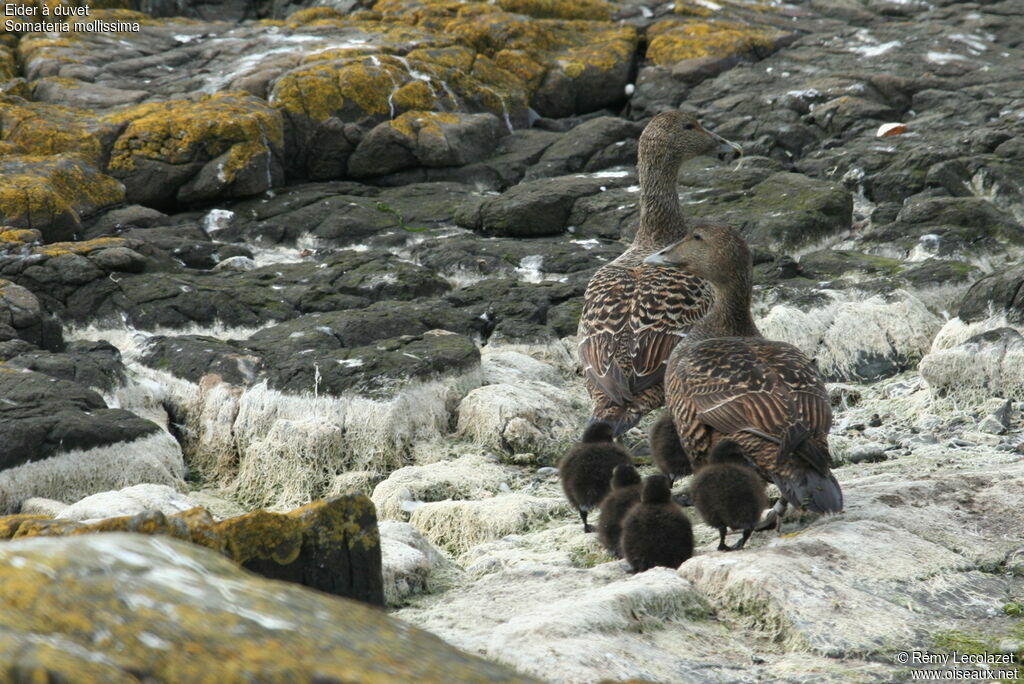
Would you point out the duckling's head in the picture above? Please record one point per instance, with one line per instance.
(656, 490)
(716, 253)
(624, 476)
(597, 432)
(677, 136)
(727, 451)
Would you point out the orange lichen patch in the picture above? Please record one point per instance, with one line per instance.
(42, 129)
(330, 521)
(9, 524)
(37, 192)
(202, 529)
(83, 248)
(44, 527)
(18, 236)
(692, 9)
(181, 132)
(8, 67)
(415, 95)
(262, 535)
(598, 10)
(672, 40)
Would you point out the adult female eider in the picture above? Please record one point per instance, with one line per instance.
(726, 381)
(656, 531)
(666, 450)
(586, 470)
(728, 493)
(633, 312)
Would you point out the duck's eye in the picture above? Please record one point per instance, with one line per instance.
(696, 236)
(690, 126)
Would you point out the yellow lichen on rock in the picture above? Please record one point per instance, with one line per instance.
(335, 520)
(598, 10)
(181, 132)
(41, 129)
(672, 40)
(10, 524)
(53, 192)
(83, 247)
(262, 535)
(16, 237)
(128, 608)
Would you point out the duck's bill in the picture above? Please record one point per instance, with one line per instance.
(727, 150)
(657, 259)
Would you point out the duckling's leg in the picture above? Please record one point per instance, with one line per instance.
(774, 516)
(743, 540)
(721, 539)
(583, 517)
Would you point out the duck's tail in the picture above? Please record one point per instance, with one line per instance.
(810, 483)
(811, 490)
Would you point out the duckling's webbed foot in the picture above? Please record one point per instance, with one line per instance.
(773, 518)
(743, 540)
(721, 539)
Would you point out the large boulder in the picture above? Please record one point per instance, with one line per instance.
(988, 364)
(61, 440)
(428, 139)
(235, 625)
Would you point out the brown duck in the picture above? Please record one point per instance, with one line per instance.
(634, 312)
(726, 381)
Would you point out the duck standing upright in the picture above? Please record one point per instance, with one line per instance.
(634, 312)
(726, 381)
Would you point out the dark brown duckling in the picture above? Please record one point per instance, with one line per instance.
(633, 312)
(728, 493)
(725, 380)
(586, 470)
(624, 495)
(656, 531)
(667, 451)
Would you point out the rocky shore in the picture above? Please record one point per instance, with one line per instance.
(259, 254)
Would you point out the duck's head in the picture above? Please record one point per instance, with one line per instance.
(624, 476)
(727, 451)
(678, 136)
(656, 490)
(714, 253)
(597, 433)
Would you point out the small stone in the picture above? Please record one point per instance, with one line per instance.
(871, 453)
(876, 420)
(992, 425)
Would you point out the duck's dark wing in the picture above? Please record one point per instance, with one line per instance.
(631, 320)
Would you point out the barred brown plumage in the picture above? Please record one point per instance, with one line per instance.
(634, 313)
(728, 382)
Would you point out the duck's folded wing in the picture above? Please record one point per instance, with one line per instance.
(731, 390)
(604, 329)
(667, 303)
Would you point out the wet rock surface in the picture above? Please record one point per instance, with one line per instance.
(272, 252)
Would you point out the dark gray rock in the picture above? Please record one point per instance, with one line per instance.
(41, 415)
(522, 312)
(999, 293)
(22, 317)
(191, 357)
(533, 208)
(425, 139)
(593, 145)
(92, 364)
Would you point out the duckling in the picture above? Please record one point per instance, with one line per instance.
(586, 470)
(728, 493)
(727, 381)
(624, 495)
(634, 312)
(656, 531)
(666, 450)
